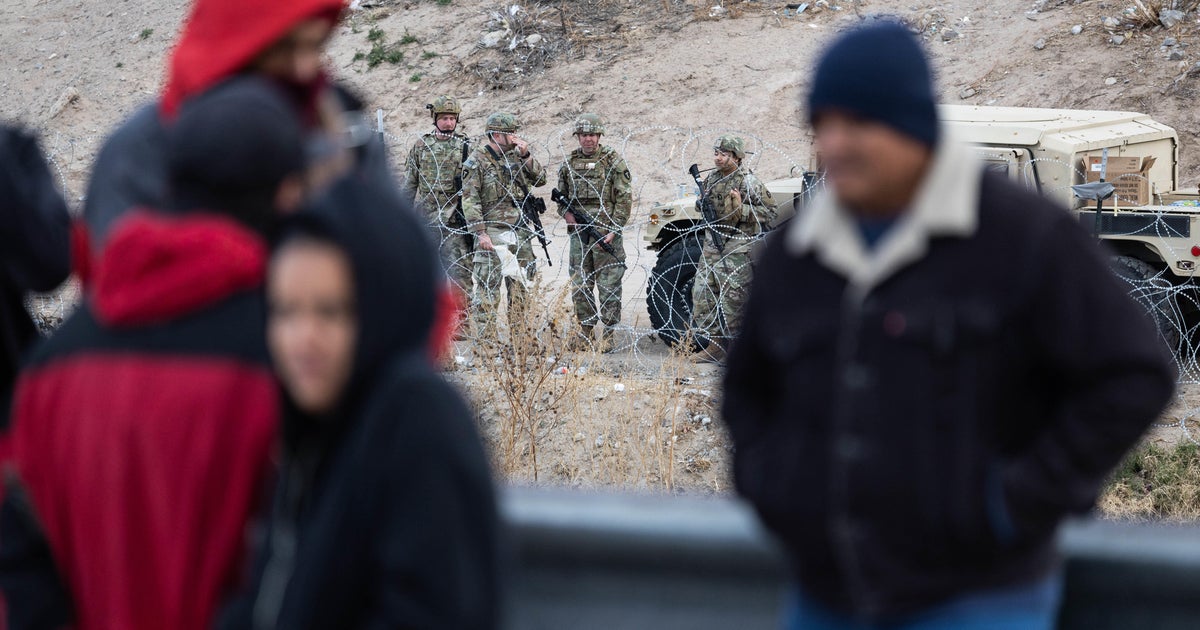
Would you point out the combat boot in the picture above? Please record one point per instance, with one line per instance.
(712, 353)
(582, 341)
(608, 340)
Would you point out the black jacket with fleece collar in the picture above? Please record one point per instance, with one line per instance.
(914, 421)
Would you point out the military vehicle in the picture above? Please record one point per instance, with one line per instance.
(1151, 224)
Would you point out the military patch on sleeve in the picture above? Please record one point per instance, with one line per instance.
(628, 177)
(470, 163)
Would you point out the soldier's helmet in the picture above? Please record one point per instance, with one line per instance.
(503, 122)
(589, 123)
(444, 105)
(732, 144)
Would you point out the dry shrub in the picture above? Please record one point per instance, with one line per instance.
(1155, 482)
(537, 34)
(583, 419)
(1146, 13)
(520, 393)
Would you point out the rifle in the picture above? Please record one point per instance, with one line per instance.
(532, 207)
(459, 216)
(583, 221)
(708, 210)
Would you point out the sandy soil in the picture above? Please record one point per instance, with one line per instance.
(667, 76)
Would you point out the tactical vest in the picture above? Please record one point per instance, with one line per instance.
(441, 165)
(737, 233)
(590, 177)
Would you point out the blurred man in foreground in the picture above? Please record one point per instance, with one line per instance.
(936, 368)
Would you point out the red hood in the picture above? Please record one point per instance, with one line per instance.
(156, 268)
(221, 37)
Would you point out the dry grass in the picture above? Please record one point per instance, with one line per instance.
(582, 419)
(539, 33)
(1147, 13)
(1155, 482)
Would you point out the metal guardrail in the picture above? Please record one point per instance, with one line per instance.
(616, 562)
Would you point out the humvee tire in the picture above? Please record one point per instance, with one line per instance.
(669, 291)
(1155, 293)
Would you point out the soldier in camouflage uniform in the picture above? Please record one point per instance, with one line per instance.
(433, 176)
(596, 177)
(496, 178)
(744, 212)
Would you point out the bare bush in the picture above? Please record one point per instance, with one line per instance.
(1149, 13)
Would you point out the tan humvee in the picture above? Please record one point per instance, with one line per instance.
(1151, 223)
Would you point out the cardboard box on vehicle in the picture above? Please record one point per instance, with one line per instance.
(1130, 175)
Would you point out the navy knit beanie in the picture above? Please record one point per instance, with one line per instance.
(880, 73)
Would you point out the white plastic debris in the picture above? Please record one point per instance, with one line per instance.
(618, 387)
(460, 359)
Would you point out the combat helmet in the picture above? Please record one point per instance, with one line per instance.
(589, 123)
(503, 122)
(732, 144)
(444, 105)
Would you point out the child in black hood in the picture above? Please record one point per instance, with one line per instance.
(385, 514)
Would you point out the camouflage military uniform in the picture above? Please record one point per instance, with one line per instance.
(433, 176)
(600, 183)
(494, 185)
(723, 277)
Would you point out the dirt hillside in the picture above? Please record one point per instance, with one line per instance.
(668, 75)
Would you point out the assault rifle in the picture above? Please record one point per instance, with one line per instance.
(708, 210)
(583, 221)
(532, 209)
(459, 215)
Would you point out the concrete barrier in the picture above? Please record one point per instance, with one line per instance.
(614, 562)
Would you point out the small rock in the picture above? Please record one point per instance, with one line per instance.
(1176, 55)
(68, 97)
(1077, 29)
(949, 34)
(705, 421)
(618, 387)
(533, 40)
(1170, 17)
(1170, 41)
(1110, 81)
(1117, 40)
(967, 93)
(1039, 44)
(599, 441)
(717, 11)
(460, 359)
(1111, 23)
(579, 437)
(493, 39)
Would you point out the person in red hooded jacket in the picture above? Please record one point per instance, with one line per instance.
(282, 40)
(142, 430)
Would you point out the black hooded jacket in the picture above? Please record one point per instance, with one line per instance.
(34, 246)
(385, 514)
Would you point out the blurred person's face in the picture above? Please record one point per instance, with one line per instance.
(588, 142)
(296, 57)
(872, 169)
(724, 161)
(312, 325)
(446, 123)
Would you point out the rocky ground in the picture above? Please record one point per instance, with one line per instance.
(669, 75)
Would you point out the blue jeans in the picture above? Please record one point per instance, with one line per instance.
(1025, 607)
